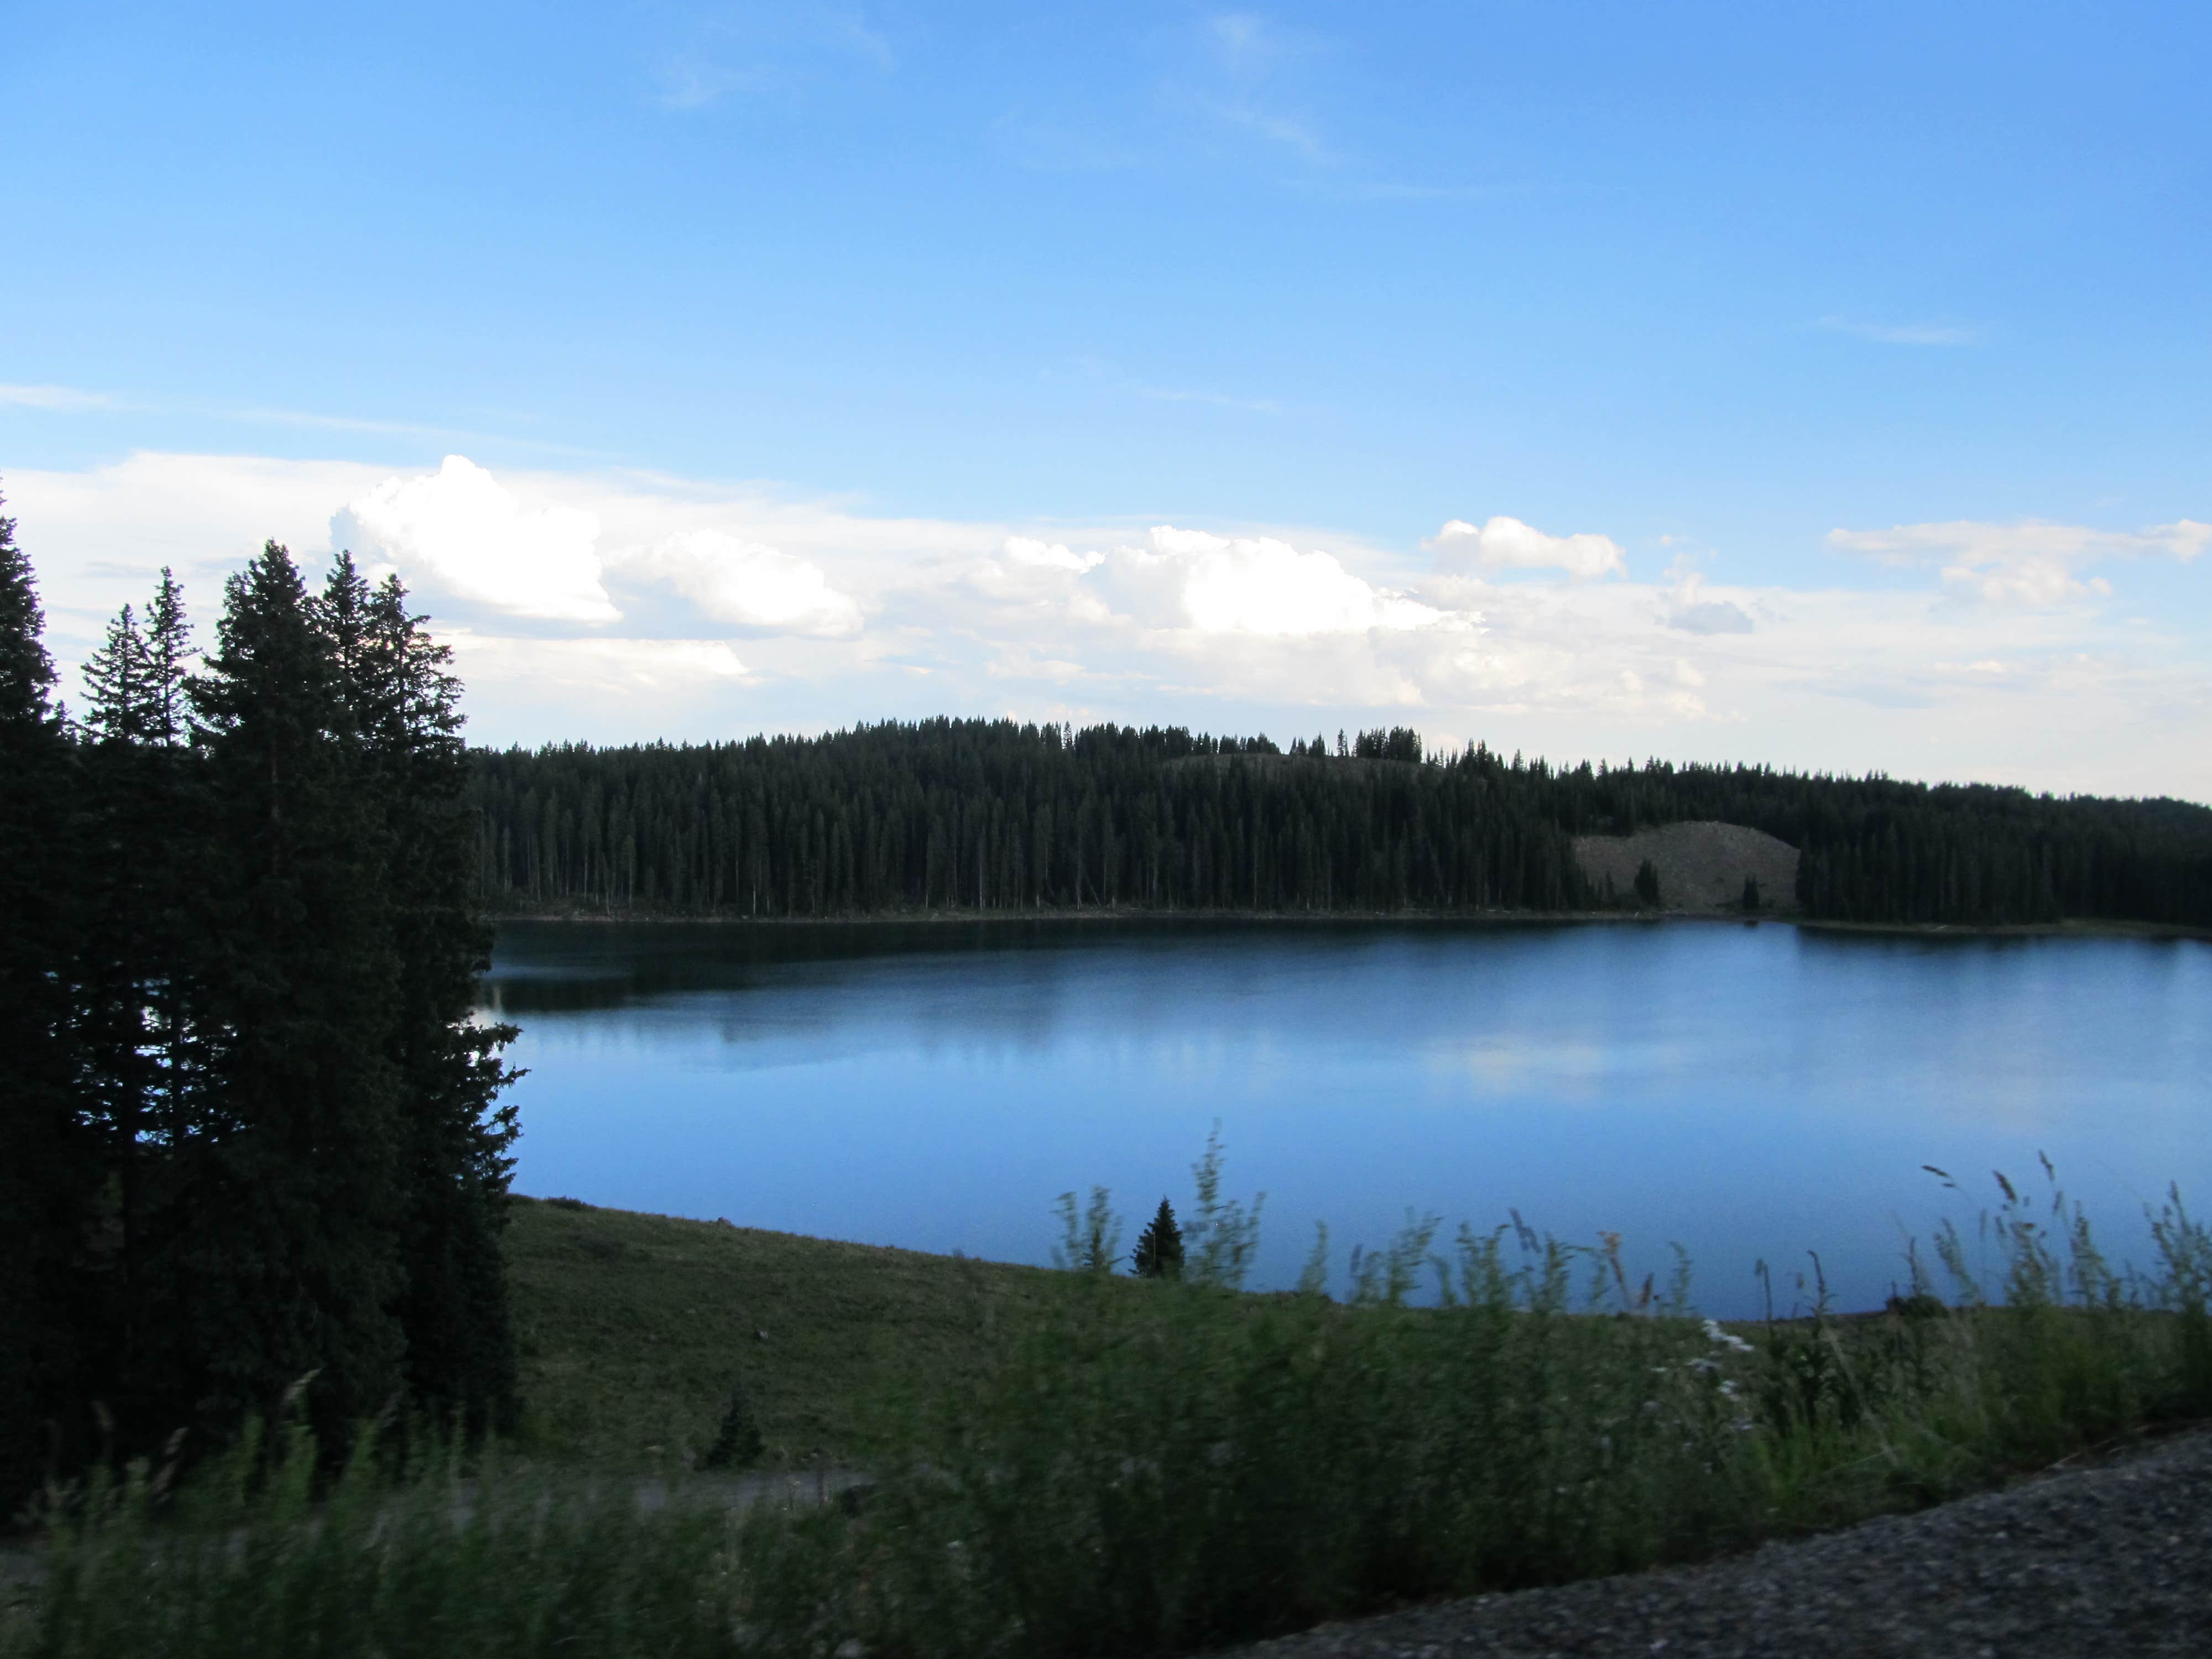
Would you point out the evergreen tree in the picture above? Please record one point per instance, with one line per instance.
(294, 1267)
(1750, 893)
(1159, 1246)
(456, 1134)
(1647, 881)
(737, 1443)
(49, 1173)
(253, 1130)
(115, 679)
(168, 648)
(141, 1078)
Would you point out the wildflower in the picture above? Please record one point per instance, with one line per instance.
(1715, 1335)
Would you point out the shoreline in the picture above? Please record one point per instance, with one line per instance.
(2069, 927)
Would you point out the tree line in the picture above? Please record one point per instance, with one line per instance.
(1001, 815)
(252, 1136)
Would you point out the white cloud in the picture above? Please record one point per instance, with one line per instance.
(462, 530)
(1917, 334)
(619, 667)
(768, 54)
(1693, 615)
(2032, 563)
(1257, 585)
(1028, 550)
(1504, 543)
(734, 580)
(57, 399)
(1223, 627)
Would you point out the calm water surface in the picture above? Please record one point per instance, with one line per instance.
(1748, 1091)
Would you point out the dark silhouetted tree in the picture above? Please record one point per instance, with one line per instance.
(294, 1265)
(141, 880)
(49, 1168)
(1160, 1247)
(737, 1443)
(404, 701)
(1647, 881)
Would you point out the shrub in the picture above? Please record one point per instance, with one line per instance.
(737, 1443)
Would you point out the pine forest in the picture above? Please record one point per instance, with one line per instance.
(993, 816)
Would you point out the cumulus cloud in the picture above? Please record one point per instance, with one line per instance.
(1257, 585)
(462, 530)
(1029, 550)
(606, 666)
(1712, 616)
(1504, 543)
(1224, 628)
(1693, 615)
(743, 583)
(2032, 564)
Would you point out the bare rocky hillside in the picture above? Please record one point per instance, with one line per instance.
(1701, 866)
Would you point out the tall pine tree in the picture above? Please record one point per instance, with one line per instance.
(403, 702)
(49, 1172)
(140, 833)
(294, 1260)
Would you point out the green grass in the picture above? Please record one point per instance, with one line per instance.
(632, 1329)
(1069, 1463)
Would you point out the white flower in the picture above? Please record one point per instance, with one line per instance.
(1714, 1334)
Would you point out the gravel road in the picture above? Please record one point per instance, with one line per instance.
(2114, 1558)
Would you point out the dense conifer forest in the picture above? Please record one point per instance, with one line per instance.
(252, 1135)
(993, 816)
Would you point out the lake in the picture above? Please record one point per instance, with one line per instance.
(1750, 1092)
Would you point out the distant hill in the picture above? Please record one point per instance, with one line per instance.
(1701, 866)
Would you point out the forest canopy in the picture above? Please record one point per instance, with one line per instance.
(1000, 816)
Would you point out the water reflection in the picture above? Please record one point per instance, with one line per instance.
(1752, 1092)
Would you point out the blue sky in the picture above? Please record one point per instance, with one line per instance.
(1819, 386)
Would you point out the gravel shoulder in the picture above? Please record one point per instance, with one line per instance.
(2114, 1558)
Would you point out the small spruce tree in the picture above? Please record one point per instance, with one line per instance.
(1159, 1246)
(737, 1443)
(1751, 892)
(1647, 883)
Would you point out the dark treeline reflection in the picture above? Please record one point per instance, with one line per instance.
(249, 1130)
(997, 815)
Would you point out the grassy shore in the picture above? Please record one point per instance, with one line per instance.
(634, 1329)
(1073, 1462)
